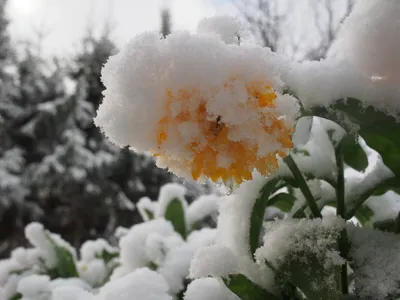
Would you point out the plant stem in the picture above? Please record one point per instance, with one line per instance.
(303, 186)
(340, 188)
(397, 224)
(343, 241)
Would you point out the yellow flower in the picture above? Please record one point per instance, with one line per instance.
(215, 142)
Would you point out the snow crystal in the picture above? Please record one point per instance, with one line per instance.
(210, 289)
(376, 258)
(216, 260)
(141, 284)
(298, 236)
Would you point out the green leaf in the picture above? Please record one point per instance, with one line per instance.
(152, 266)
(245, 289)
(107, 256)
(283, 201)
(66, 267)
(258, 212)
(364, 214)
(386, 141)
(380, 131)
(149, 213)
(17, 296)
(392, 184)
(306, 271)
(302, 131)
(353, 154)
(175, 213)
(388, 225)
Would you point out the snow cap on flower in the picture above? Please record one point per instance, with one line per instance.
(204, 108)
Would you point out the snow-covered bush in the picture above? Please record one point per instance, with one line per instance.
(317, 141)
(151, 262)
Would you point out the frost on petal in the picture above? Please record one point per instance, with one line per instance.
(209, 289)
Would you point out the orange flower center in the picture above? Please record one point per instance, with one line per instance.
(243, 158)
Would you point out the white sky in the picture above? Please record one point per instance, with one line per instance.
(64, 22)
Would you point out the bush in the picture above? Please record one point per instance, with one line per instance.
(164, 243)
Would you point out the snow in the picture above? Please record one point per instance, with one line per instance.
(134, 253)
(34, 287)
(216, 261)
(40, 238)
(168, 193)
(384, 207)
(230, 29)
(202, 207)
(146, 206)
(292, 238)
(376, 259)
(141, 284)
(316, 156)
(210, 289)
(175, 267)
(363, 63)
(233, 236)
(369, 39)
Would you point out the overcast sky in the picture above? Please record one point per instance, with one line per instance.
(64, 22)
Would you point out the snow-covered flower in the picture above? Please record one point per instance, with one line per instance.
(203, 107)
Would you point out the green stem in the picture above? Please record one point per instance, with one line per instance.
(340, 185)
(303, 186)
(343, 242)
(397, 224)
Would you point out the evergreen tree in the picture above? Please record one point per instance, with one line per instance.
(86, 185)
(56, 167)
(165, 22)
